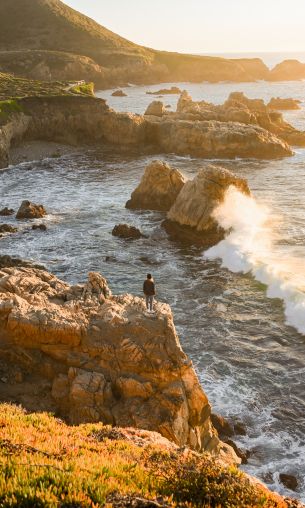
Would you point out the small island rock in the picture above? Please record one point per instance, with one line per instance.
(5, 212)
(128, 232)
(119, 93)
(29, 210)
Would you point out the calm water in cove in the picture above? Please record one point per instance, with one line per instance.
(249, 357)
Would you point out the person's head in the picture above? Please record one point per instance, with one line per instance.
(149, 276)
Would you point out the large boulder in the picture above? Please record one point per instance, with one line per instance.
(191, 216)
(158, 189)
(105, 358)
(155, 108)
(29, 210)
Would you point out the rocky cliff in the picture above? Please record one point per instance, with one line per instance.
(104, 358)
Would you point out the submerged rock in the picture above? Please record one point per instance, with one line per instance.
(7, 228)
(107, 361)
(158, 189)
(6, 212)
(29, 210)
(190, 218)
(42, 227)
(128, 232)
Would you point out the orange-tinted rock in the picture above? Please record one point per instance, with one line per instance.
(106, 359)
(158, 189)
(30, 210)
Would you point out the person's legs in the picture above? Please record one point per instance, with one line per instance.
(151, 303)
(147, 302)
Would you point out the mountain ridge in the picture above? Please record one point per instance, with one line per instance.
(52, 26)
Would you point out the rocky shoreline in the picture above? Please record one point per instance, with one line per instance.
(239, 128)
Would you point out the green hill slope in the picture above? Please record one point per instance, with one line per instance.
(45, 39)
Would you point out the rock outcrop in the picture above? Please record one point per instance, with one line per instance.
(30, 210)
(128, 232)
(158, 189)
(173, 90)
(241, 110)
(284, 104)
(155, 108)
(7, 228)
(208, 132)
(119, 93)
(106, 359)
(190, 218)
(6, 212)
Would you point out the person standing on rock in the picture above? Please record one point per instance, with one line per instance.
(149, 291)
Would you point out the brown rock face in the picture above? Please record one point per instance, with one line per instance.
(158, 189)
(29, 210)
(128, 232)
(105, 358)
(191, 214)
(239, 111)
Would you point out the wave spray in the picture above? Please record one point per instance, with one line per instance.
(250, 247)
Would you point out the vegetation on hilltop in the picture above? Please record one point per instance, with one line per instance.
(17, 88)
(52, 25)
(46, 463)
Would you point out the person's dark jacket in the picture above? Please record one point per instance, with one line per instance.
(149, 288)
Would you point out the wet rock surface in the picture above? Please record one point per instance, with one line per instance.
(6, 212)
(128, 232)
(30, 210)
(191, 213)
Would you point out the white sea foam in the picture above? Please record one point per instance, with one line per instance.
(250, 247)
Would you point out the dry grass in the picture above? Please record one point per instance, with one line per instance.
(46, 463)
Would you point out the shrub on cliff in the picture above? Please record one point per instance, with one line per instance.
(47, 464)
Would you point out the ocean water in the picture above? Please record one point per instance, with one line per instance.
(230, 303)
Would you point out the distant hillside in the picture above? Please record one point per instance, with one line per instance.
(52, 25)
(49, 40)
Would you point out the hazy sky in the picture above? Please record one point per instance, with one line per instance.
(202, 26)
